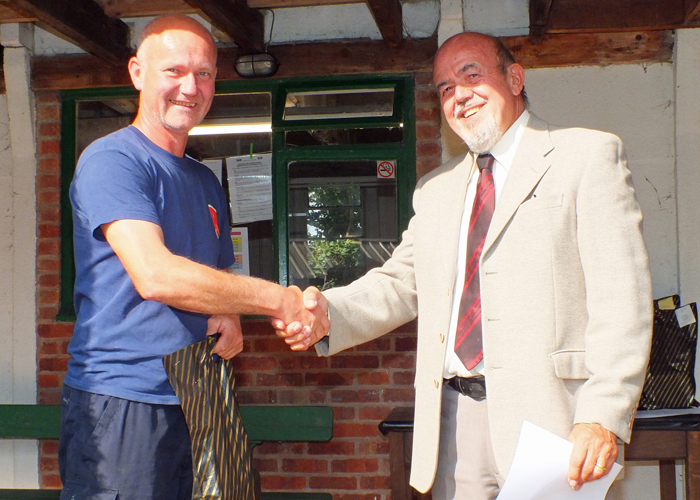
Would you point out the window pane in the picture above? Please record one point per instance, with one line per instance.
(335, 104)
(342, 221)
(344, 136)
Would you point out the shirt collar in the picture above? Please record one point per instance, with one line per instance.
(505, 149)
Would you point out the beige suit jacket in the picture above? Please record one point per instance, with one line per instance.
(565, 286)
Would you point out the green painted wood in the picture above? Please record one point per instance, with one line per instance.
(263, 423)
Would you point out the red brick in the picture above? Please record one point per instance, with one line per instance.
(266, 464)
(49, 129)
(378, 345)
(257, 327)
(245, 379)
(46, 113)
(49, 446)
(49, 164)
(48, 196)
(48, 247)
(57, 330)
(47, 313)
(398, 361)
(375, 482)
(343, 413)
(334, 447)
(49, 280)
(373, 447)
(48, 214)
(424, 132)
(428, 114)
(350, 396)
(48, 348)
(398, 395)
(50, 481)
(54, 364)
(48, 263)
(257, 397)
(374, 413)
(354, 361)
(373, 378)
(50, 147)
(424, 79)
(404, 378)
(333, 482)
(48, 231)
(245, 362)
(328, 379)
(361, 496)
(47, 96)
(270, 345)
(279, 379)
(48, 297)
(427, 165)
(282, 482)
(48, 463)
(47, 181)
(427, 96)
(50, 396)
(355, 465)
(318, 397)
(48, 380)
(341, 430)
(406, 344)
(430, 148)
(268, 449)
(304, 362)
(306, 465)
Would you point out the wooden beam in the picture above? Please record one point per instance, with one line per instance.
(85, 24)
(387, 15)
(570, 16)
(692, 11)
(280, 4)
(593, 49)
(244, 25)
(374, 57)
(141, 8)
(539, 16)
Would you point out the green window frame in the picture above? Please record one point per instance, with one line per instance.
(403, 152)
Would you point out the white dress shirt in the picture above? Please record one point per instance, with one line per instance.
(503, 153)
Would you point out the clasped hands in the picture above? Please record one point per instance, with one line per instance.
(304, 320)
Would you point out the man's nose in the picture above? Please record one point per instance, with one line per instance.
(188, 84)
(463, 94)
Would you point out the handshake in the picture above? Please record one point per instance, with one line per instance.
(304, 320)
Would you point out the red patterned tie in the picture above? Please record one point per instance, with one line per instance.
(468, 345)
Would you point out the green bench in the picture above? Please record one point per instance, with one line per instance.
(263, 423)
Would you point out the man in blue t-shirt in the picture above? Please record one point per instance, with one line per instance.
(152, 247)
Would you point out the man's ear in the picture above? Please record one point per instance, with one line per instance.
(516, 76)
(135, 71)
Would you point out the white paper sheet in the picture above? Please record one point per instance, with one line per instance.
(540, 468)
(250, 186)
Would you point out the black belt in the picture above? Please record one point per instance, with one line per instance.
(474, 387)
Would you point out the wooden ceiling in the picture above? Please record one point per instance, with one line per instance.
(561, 32)
(98, 26)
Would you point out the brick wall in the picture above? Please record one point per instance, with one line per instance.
(361, 385)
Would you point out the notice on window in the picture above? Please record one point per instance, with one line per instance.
(215, 166)
(250, 185)
(239, 238)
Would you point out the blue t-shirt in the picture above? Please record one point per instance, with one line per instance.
(119, 338)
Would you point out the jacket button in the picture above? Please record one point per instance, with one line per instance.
(442, 338)
(437, 384)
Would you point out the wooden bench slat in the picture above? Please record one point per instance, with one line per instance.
(263, 423)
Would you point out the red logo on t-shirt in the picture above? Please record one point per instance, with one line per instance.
(214, 219)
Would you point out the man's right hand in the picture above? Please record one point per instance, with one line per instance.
(300, 333)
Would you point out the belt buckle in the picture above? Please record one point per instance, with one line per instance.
(472, 387)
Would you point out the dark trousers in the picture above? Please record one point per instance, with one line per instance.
(115, 448)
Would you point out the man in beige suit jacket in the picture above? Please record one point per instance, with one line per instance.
(565, 287)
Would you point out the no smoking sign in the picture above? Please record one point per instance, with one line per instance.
(386, 169)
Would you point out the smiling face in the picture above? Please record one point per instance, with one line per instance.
(175, 70)
(480, 102)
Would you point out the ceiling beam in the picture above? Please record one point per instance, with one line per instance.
(692, 11)
(387, 15)
(243, 25)
(539, 17)
(84, 23)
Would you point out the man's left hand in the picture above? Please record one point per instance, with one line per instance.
(229, 326)
(595, 451)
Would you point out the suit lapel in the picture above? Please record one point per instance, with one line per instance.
(529, 165)
(450, 215)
